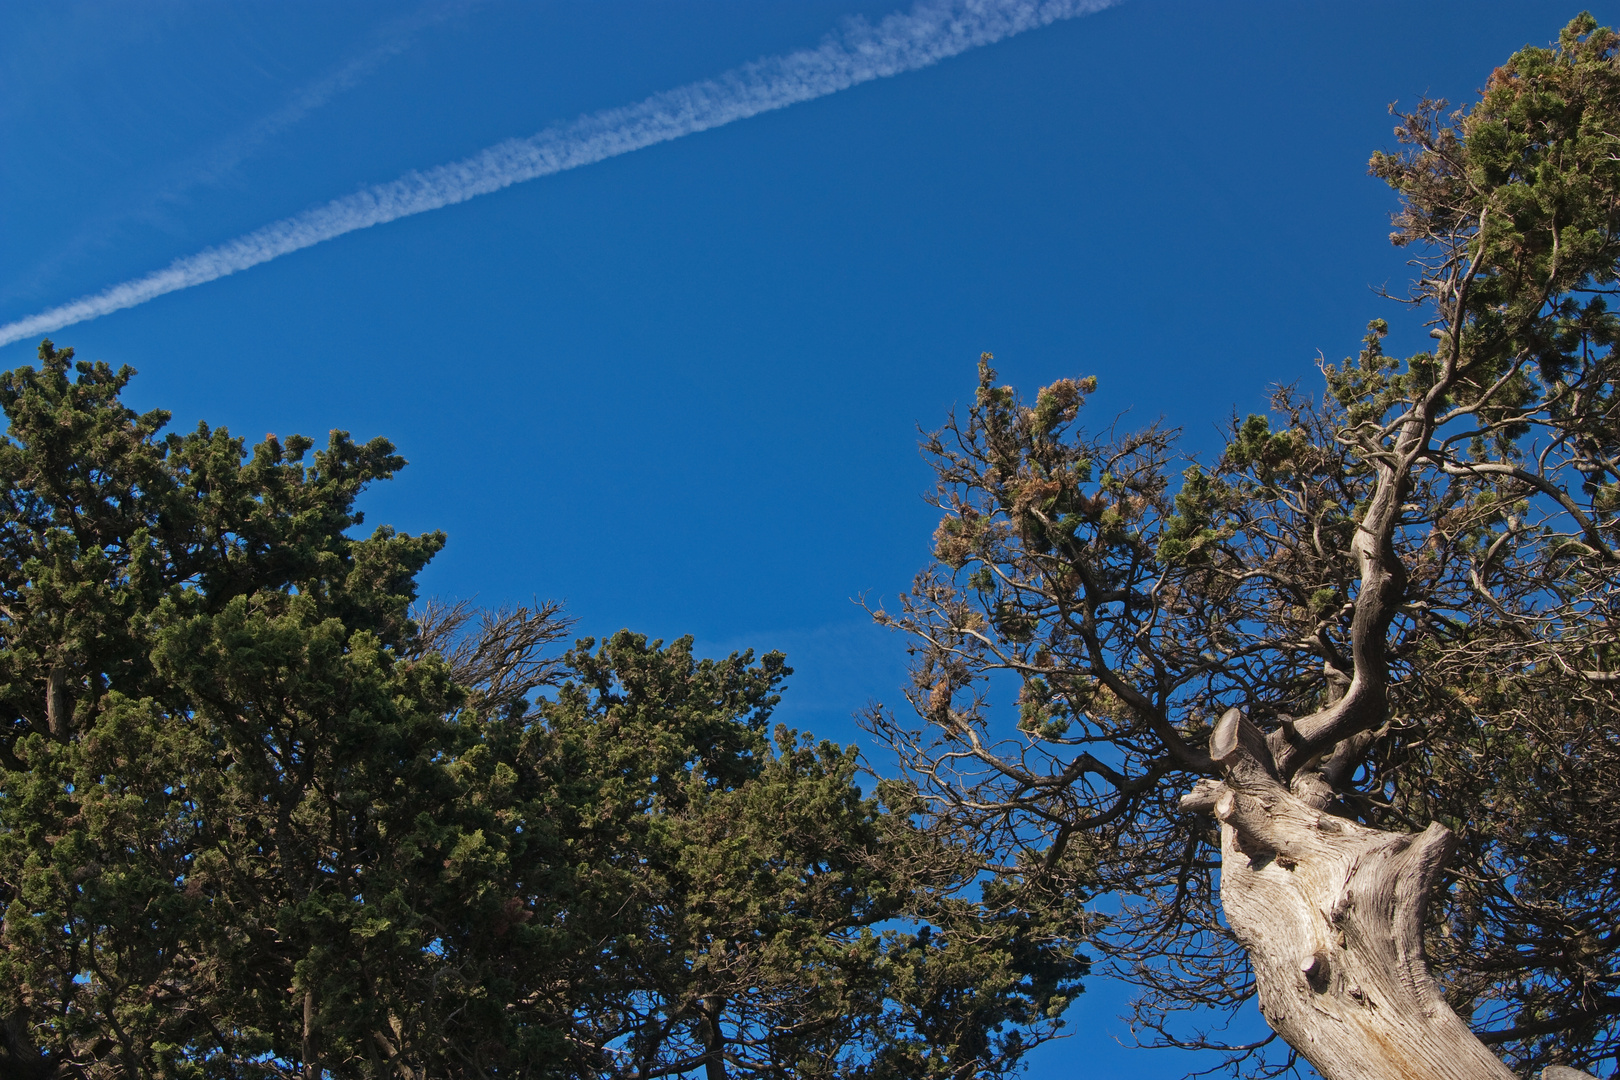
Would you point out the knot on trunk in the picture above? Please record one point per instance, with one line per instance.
(1248, 799)
(1314, 971)
(1239, 748)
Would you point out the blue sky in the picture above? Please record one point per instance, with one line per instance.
(680, 388)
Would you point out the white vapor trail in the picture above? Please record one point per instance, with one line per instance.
(932, 31)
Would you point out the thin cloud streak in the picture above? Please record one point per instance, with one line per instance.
(932, 31)
(395, 37)
(217, 163)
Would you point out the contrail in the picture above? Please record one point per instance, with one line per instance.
(932, 31)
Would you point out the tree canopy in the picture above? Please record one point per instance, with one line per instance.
(1378, 626)
(1332, 713)
(259, 817)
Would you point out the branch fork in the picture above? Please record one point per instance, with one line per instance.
(1332, 914)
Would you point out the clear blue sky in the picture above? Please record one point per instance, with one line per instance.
(680, 388)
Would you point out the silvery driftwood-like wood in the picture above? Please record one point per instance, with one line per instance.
(1331, 913)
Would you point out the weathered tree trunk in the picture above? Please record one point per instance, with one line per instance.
(312, 1061)
(58, 706)
(714, 1045)
(1331, 913)
(396, 1061)
(19, 1056)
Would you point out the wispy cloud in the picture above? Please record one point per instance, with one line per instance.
(932, 31)
(218, 162)
(391, 39)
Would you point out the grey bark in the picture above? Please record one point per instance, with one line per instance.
(58, 706)
(714, 1046)
(311, 1048)
(1331, 913)
(20, 1057)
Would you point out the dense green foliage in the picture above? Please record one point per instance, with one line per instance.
(753, 889)
(208, 738)
(257, 820)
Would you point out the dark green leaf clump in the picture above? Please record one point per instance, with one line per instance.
(258, 820)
